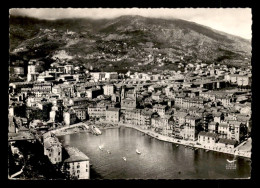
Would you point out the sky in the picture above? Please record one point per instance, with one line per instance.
(236, 21)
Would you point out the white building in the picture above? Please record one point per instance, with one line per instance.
(108, 89)
(77, 165)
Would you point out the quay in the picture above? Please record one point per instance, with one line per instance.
(193, 144)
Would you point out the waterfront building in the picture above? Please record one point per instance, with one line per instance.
(192, 127)
(237, 130)
(81, 112)
(112, 115)
(133, 116)
(77, 165)
(69, 116)
(206, 138)
(52, 148)
(223, 130)
(98, 112)
(146, 115)
(226, 143)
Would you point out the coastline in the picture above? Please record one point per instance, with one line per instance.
(189, 143)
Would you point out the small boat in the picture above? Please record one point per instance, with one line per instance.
(138, 152)
(177, 145)
(100, 147)
(207, 150)
(196, 149)
(231, 161)
(124, 158)
(108, 152)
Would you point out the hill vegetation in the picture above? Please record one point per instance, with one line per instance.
(125, 43)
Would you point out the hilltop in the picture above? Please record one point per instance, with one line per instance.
(125, 43)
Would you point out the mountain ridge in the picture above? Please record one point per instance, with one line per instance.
(171, 37)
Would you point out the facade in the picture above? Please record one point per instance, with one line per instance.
(69, 117)
(160, 109)
(112, 115)
(128, 99)
(97, 111)
(81, 113)
(108, 89)
(206, 138)
(93, 93)
(77, 165)
(52, 148)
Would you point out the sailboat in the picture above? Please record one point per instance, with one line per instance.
(124, 158)
(138, 152)
(100, 147)
(231, 161)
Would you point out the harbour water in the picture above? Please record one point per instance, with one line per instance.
(158, 159)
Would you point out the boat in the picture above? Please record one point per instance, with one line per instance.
(207, 150)
(138, 152)
(124, 158)
(100, 147)
(232, 161)
(196, 149)
(177, 145)
(108, 152)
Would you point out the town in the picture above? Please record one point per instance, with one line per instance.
(205, 106)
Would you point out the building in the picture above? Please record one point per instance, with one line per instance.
(112, 115)
(69, 69)
(206, 138)
(69, 116)
(77, 165)
(191, 128)
(93, 93)
(78, 101)
(213, 127)
(19, 71)
(108, 89)
(97, 112)
(128, 98)
(133, 116)
(223, 130)
(237, 130)
(160, 109)
(81, 112)
(223, 142)
(52, 148)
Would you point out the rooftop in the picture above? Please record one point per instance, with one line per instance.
(75, 155)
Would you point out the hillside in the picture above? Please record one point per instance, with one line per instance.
(126, 42)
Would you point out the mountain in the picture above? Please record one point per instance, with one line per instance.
(125, 43)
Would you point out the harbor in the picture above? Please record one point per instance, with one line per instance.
(119, 158)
